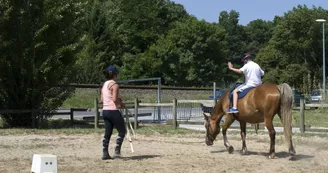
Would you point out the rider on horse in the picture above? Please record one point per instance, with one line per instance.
(253, 74)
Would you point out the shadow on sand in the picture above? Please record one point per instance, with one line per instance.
(140, 157)
(278, 154)
(282, 155)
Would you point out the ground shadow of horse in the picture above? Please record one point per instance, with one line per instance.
(282, 155)
(278, 154)
(218, 151)
(140, 157)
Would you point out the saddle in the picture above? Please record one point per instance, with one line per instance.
(240, 94)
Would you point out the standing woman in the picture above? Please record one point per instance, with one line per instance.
(111, 114)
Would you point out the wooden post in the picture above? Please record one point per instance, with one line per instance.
(127, 120)
(96, 113)
(72, 117)
(302, 107)
(257, 127)
(135, 125)
(175, 121)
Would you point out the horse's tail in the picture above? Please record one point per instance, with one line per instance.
(286, 103)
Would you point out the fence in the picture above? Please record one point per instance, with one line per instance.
(159, 112)
(190, 110)
(35, 112)
(186, 110)
(303, 106)
(126, 113)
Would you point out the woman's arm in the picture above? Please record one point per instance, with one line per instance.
(116, 99)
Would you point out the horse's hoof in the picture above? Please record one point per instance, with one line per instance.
(230, 149)
(292, 157)
(292, 152)
(243, 152)
(272, 156)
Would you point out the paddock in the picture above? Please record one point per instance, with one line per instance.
(167, 150)
(80, 152)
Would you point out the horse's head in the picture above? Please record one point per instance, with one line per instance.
(212, 129)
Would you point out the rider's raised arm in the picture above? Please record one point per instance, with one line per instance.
(234, 69)
(262, 72)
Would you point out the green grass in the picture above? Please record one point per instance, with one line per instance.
(151, 129)
(147, 130)
(62, 126)
(82, 98)
(85, 98)
(64, 123)
(317, 118)
(67, 131)
(313, 118)
(164, 130)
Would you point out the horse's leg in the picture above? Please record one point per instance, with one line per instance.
(272, 134)
(227, 123)
(243, 137)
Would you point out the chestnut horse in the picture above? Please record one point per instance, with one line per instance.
(260, 104)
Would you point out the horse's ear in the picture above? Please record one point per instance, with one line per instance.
(206, 116)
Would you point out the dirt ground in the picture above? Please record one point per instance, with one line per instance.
(160, 153)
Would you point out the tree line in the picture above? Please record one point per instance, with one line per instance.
(45, 44)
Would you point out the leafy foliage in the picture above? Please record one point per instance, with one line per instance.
(47, 43)
(259, 32)
(295, 49)
(191, 53)
(38, 43)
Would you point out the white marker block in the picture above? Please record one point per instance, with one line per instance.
(44, 163)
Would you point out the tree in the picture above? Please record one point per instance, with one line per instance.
(236, 42)
(98, 41)
(236, 35)
(192, 53)
(121, 32)
(295, 48)
(139, 26)
(259, 32)
(38, 43)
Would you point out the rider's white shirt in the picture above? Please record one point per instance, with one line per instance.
(253, 74)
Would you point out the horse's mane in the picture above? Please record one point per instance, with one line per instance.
(217, 109)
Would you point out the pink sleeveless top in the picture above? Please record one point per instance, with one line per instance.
(107, 96)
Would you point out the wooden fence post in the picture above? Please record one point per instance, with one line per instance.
(256, 127)
(302, 107)
(96, 113)
(71, 117)
(127, 118)
(135, 125)
(175, 121)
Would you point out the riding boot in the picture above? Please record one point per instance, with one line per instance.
(118, 146)
(105, 155)
(117, 153)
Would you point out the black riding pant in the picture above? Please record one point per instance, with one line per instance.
(113, 118)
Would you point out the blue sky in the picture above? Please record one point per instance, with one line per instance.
(248, 10)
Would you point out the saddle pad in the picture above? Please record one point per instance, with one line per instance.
(240, 94)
